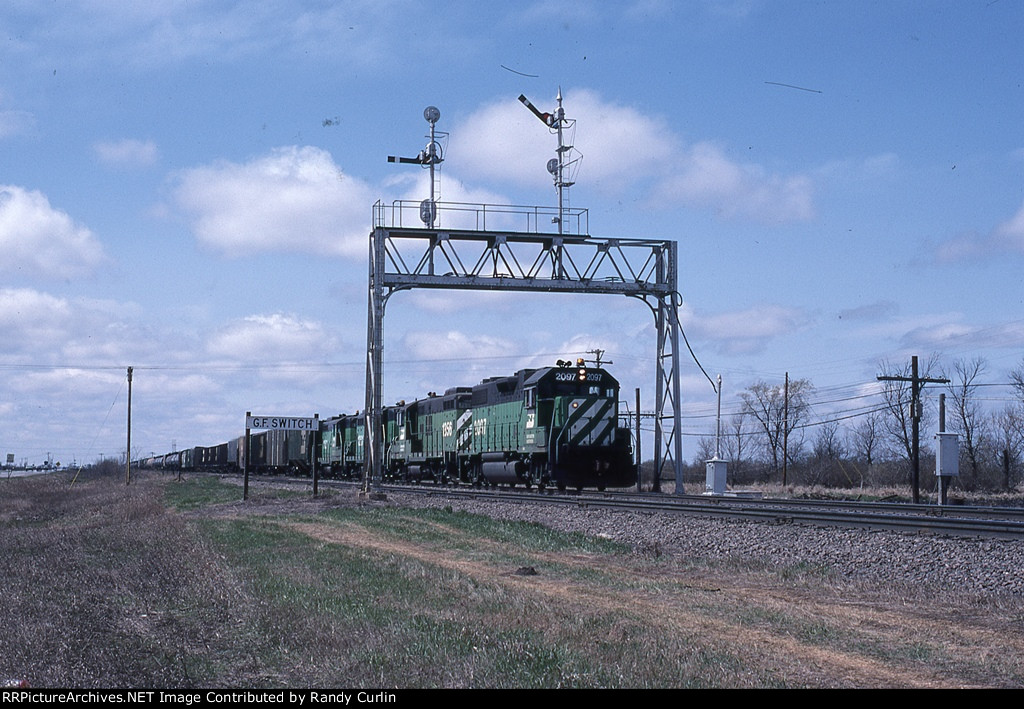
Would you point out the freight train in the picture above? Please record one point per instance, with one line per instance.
(553, 426)
(269, 452)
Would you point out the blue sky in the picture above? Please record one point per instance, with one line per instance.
(187, 188)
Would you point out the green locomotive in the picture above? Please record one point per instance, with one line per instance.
(538, 427)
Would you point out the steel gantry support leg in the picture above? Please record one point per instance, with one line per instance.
(670, 411)
(373, 431)
(668, 444)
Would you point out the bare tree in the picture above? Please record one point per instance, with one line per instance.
(865, 440)
(1017, 379)
(898, 396)
(827, 451)
(968, 419)
(705, 450)
(1008, 434)
(736, 443)
(777, 413)
(827, 444)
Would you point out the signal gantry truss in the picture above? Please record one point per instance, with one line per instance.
(499, 259)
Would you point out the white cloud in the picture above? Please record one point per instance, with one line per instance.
(563, 13)
(896, 326)
(742, 331)
(44, 330)
(962, 246)
(623, 148)
(455, 193)
(504, 141)
(947, 333)
(431, 345)
(275, 338)
(733, 9)
(1007, 237)
(148, 35)
(41, 240)
(128, 152)
(30, 319)
(16, 123)
(442, 302)
(65, 359)
(1010, 234)
(296, 198)
(582, 345)
(708, 178)
(54, 384)
(878, 310)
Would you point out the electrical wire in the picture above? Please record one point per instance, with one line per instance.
(101, 427)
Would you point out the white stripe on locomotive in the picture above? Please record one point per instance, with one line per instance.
(582, 417)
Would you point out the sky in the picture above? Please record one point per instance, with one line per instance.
(187, 188)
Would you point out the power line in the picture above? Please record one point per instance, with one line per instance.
(300, 366)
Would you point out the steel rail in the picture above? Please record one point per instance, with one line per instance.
(769, 511)
(861, 506)
(985, 522)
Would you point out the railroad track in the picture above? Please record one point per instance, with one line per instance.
(954, 521)
(967, 521)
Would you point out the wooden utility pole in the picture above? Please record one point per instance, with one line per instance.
(718, 420)
(916, 383)
(314, 454)
(128, 453)
(1006, 467)
(943, 479)
(785, 431)
(639, 458)
(245, 459)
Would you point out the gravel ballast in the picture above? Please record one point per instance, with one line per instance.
(938, 564)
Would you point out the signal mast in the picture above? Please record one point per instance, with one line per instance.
(563, 167)
(429, 157)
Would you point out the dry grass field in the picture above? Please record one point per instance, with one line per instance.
(180, 584)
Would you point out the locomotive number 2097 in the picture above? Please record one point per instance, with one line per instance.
(571, 377)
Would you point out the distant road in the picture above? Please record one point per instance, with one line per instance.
(23, 473)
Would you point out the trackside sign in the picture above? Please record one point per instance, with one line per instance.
(282, 423)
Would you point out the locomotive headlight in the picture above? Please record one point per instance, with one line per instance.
(582, 372)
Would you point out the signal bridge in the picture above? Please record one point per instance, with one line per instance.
(506, 248)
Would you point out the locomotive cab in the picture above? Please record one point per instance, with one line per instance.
(585, 446)
(342, 445)
(555, 425)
